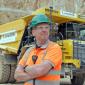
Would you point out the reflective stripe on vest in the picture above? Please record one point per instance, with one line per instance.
(42, 82)
(54, 72)
(52, 78)
(52, 75)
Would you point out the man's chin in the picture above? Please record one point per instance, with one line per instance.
(44, 40)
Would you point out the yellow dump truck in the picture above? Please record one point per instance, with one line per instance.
(67, 30)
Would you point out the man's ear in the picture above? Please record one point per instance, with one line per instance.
(33, 32)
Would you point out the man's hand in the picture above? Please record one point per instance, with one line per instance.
(20, 74)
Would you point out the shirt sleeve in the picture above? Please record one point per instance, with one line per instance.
(26, 56)
(54, 55)
(22, 61)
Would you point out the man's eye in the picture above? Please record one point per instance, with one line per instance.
(40, 27)
(47, 27)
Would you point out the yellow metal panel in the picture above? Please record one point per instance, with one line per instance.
(8, 50)
(56, 16)
(11, 34)
(15, 25)
(74, 62)
(67, 48)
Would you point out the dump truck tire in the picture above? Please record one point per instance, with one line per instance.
(77, 80)
(4, 73)
(12, 68)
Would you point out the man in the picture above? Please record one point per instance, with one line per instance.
(43, 65)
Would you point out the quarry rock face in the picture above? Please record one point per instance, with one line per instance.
(13, 9)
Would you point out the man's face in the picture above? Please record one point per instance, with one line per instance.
(41, 32)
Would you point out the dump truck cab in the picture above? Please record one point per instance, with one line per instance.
(66, 29)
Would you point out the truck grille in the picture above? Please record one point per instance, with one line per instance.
(79, 51)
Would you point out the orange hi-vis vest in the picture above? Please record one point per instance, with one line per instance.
(52, 53)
